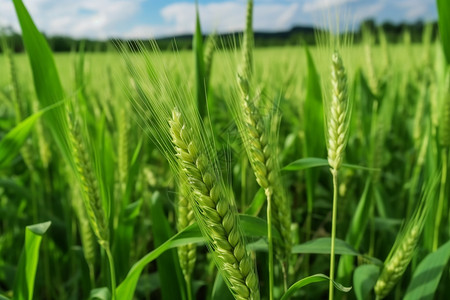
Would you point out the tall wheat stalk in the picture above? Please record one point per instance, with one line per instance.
(259, 137)
(338, 116)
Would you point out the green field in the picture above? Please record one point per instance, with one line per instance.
(214, 173)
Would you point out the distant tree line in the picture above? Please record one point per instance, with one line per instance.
(297, 35)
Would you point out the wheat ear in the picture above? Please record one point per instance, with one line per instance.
(215, 212)
(339, 114)
(404, 247)
(89, 185)
(396, 265)
(261, 154)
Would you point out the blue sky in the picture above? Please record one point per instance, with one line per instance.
(157, 18)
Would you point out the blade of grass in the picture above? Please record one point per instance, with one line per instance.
(428, 274)
(169, 272)
(443, 7)
(251, 226)
(45, 76)
(312, 279)
(364, 280)
(24, 281)
(314, 162)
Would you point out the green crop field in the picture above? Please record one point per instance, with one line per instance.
(246, 173)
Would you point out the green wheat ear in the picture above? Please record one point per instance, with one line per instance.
(215, 210)
(259, 137)
(338, 114)
(89, 185)
(405, 245)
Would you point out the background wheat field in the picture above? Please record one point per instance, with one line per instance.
(226, 172)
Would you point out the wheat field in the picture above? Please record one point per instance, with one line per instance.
(297, 172)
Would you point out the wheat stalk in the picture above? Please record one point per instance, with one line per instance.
(338, 116)
(260, 146)
(216, 213)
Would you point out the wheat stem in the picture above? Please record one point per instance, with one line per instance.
(111, 271)
(333, 232)
(270, 242)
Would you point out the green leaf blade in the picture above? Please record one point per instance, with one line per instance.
(427, 275)
(24, 281)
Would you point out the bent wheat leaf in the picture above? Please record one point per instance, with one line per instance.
(312, 279)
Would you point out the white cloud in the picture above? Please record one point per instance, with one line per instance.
(317, 5)
(116, 18)
(414, 9)
(82, 18)
(368, 11)
(226, 16)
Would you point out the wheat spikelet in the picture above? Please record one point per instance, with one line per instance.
(185, 217)
(247, 46)
(338, 115)
(89, 185)
(397, 264)
(215, 212)
(404, 247)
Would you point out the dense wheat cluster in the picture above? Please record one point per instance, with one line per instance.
(217, 172)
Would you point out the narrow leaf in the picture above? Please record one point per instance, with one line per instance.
(169, 271)
(314, 162)
(312, 279)
(428, 274)
(257, 203)
(26, 270)
(45, 76)
(322, 246)
(443, 7)
(251, 226)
